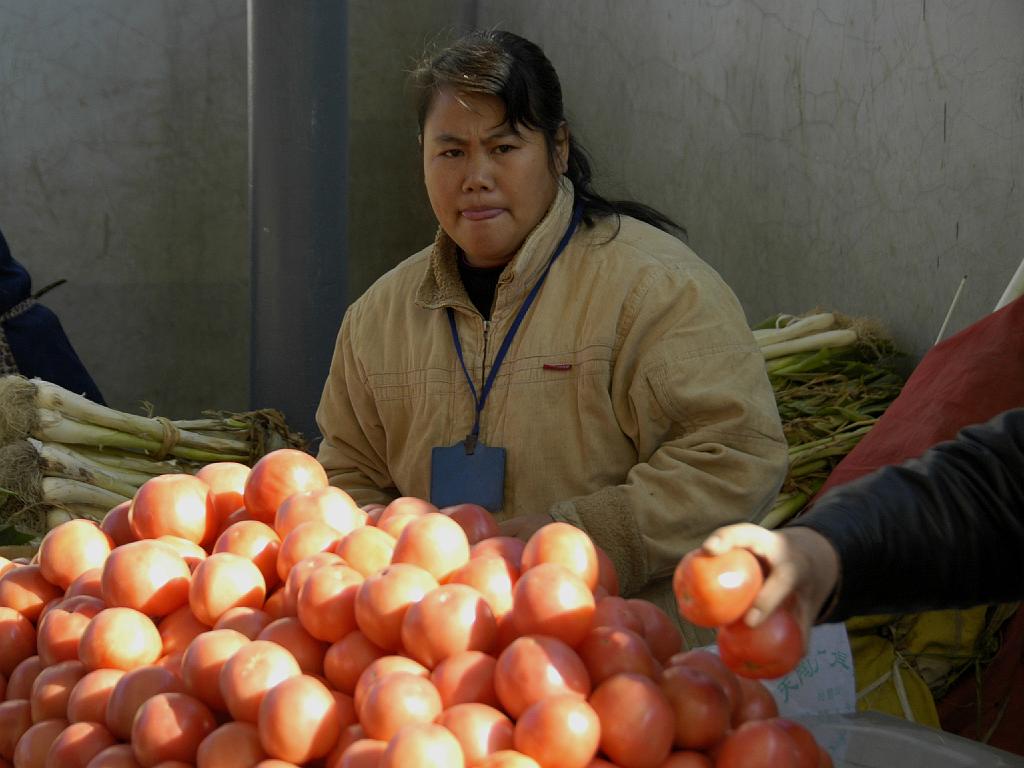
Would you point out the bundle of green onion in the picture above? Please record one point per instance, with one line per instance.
(63, 455)
(833, 378)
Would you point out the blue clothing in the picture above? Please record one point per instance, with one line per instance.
(32, 335)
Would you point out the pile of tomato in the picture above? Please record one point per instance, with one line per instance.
(243, 618)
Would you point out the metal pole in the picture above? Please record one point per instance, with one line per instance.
(298, 136)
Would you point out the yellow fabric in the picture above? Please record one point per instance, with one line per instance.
(663, 428)
(927, 649)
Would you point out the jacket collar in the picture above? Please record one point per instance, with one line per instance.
(442, 287)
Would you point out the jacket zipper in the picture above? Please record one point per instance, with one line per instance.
(483, 361)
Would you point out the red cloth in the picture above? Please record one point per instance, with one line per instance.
(966, 379)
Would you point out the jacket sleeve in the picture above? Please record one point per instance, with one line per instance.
(353, 445)
(942, 531)
(691, 391)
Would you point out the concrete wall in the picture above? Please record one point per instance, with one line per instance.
(123, 142)
(862, 156)
(389, 214)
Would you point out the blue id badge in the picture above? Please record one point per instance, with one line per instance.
(459, 477)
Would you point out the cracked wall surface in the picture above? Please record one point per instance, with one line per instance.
(123, 146)
(862, 156)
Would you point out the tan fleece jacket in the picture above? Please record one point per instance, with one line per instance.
(657, 426)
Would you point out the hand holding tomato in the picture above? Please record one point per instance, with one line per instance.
(803, 569)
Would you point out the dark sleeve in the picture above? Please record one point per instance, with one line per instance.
(42, 349)
(942, 531)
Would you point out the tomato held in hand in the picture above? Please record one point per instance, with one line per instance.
(771, 649)
(714, 590)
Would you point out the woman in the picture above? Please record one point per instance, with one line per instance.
(628, 399)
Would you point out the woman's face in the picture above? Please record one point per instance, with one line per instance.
(489, 187)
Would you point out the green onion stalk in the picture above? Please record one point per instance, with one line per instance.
(829, 395)
(60, 452)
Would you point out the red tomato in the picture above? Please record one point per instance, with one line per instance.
(466, 678)
(174, 505)
(203, 661)
(481, 730)
(52, 689)
(348, 658)
(476, 521)
(290, 635)
(492, 576)
(434, 542)
(564, 545)
(305, 540)
(803, 740)
(120, 638)
(508, 758)
(535, 667)
(448, 620)
(769, 650)
(380, 668)
(366, 549)
(250, 672)
(661, 632)
(713, 590)
(77, 745)
(227, 484)
(405, 505)
(89, 698)
(757, 744)
(615, 611)
(117, 525)
(19, 684)
(88, 584)
(232, 745)
(34, 744)
(396, 700)
(255, 541)
(507, 547)
(24, 590)
(550, 599)
(320, 720)
(712, 665)
(756, 702)
(384, 598)
(70, 549)
(423, 745)
(297, 578)
(148, 576)
(609, 651)
(179, 629)
(688, 759)
(326, 604)
(224, 581)
(15, 720)
(561, 731)
(60, 630)
(132, 691)
(637, 722)
(330, 506)
(170, 726)
(248, 621)
(700, 706)
(277, 476)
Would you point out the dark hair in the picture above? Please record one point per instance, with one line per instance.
(515, 70)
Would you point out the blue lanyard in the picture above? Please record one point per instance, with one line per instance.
(471, 439)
